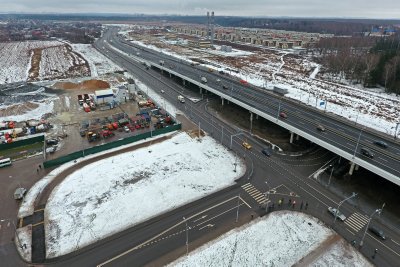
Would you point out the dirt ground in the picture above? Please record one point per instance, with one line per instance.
(91, 85)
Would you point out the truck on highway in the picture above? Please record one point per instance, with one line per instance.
(181, 99)
(203, 79)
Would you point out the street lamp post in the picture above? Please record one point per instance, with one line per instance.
(237, 211)
(233, 135)
(330, 176)
(369, 220)
(279, 109)
(358, 141)
(187, 236)
(15, 230)
(341, 202)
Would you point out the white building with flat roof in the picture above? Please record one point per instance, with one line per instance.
(104, 96)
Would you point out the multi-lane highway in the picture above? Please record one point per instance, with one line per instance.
(166, 235)
(341, 137)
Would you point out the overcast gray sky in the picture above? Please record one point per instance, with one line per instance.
(296, 8)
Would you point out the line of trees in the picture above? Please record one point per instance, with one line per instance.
(366, 60)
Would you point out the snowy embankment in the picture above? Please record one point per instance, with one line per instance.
(116, 193)
(98, 63)
(280, 239)
(44, 107)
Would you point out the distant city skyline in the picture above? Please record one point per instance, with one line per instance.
(384, 9)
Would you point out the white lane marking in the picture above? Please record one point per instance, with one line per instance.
(202, 217)
(382, 159)
(163, 232)
(208, 225)
(395, 242)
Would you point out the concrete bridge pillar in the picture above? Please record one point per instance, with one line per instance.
(183, 82)
(297, 137)
(201, 90)
(251, 121)
(291, 137)
(352, 168)
(222, 101)
(170, 75)
(356, 167)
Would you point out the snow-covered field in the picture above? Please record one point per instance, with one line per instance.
(113, 194)
(99, 64)
(268, 68)
(61, 62)
(15, 59)
(280, 239)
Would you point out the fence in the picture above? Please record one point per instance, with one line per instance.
(23, 142)
(97, 149)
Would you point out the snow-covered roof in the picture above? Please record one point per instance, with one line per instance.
(103, 93)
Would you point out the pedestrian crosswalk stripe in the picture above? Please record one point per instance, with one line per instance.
(255, 193)
(356, 221)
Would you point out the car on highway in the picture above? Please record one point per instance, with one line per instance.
(378, 232)
(162, 91)
(224, 87)
(321, 128)
(366, 152)
(218, 80)
(246, 145)
(380, 143)
(283, 115)
(337, 214)
(266, 152)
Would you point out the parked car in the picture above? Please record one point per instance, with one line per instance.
(283, 115)
(378, 232)
(51, 142)
(246, 145)
(266, 152)
(126, 129)
(380, 143)
(19, 193)
(337, 214)
(321, 128)
(366, 152)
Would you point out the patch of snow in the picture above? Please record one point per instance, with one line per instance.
(24, 242)
(113, 194)
(342, 254)
(98, 63)
(44, 107)
(279, 239)
(28, 203)
(315, 72)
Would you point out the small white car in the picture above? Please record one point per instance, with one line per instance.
(19, 193)
(337, 213)
(162, 91)
(126, 129)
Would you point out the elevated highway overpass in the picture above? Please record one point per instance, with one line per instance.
(341, 136)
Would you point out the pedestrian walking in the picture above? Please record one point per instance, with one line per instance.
(40, 166)
(37, 170)
(306, 205)
(294, 203)
(290, 201)
(301, 205)
(375, 251)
